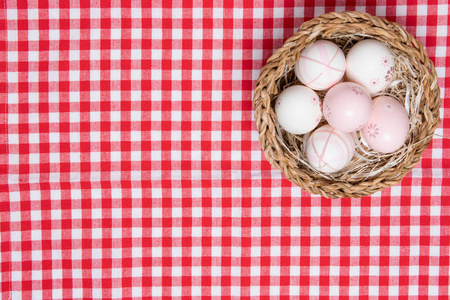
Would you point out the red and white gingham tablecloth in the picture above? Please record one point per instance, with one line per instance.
(131, 168)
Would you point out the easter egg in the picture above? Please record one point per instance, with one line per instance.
(347, 106)
(321, 65)
(388, 126)
(329, 149)
(371, 64)
(298, 109)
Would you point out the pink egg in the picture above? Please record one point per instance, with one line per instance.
(321, 65)
(329, 150)
(388, 126)
(347, 106)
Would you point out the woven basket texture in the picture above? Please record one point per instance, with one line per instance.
(278, 73)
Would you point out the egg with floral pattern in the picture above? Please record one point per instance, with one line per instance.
(371, 64)
(388, 126)
(347, 106)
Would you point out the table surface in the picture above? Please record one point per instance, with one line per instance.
(131, 165)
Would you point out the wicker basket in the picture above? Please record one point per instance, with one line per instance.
(278, 73)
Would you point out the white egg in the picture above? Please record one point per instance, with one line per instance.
(298, 109)
(371, 64)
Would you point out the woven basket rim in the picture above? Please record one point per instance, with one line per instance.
(328, 26)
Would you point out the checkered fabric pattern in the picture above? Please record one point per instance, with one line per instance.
(131, 166)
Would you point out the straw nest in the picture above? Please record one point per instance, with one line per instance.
(414, 84)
